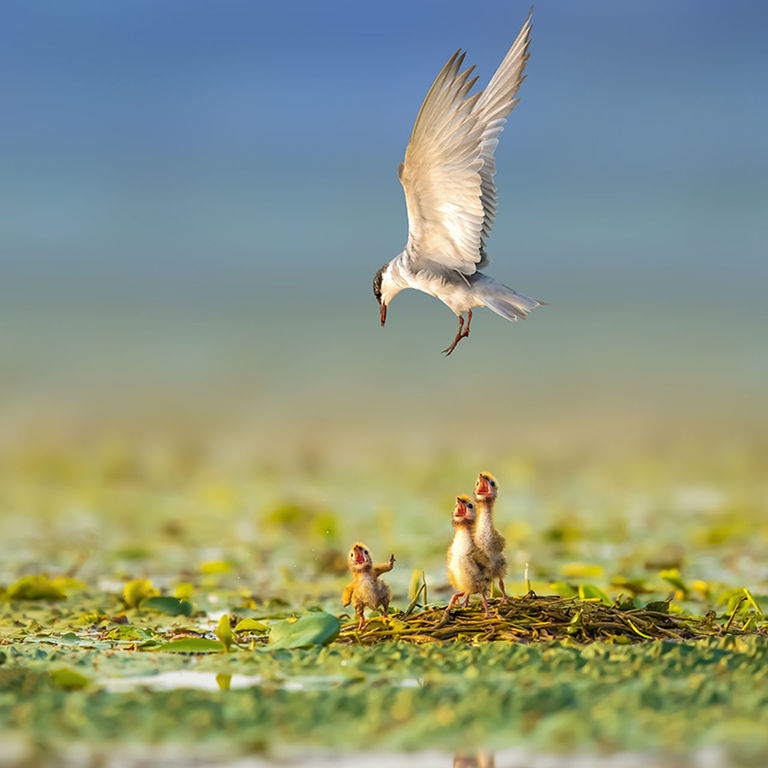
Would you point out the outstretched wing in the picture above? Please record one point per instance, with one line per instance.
(449, 167)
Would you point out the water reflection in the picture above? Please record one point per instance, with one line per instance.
(477, 760)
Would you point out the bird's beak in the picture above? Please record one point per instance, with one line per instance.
(483, 485)
(461, 508)
(383, 315)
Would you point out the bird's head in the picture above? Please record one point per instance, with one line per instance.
(384, 289)
(464, 512)
(486, 487)
(359, 558)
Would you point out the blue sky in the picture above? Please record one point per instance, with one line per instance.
(231, 136)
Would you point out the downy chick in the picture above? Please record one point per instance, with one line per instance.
(486, 537)
(365, 590)
(469, 569)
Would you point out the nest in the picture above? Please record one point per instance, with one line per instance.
(532, 618)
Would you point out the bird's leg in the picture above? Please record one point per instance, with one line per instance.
(485, 605)
(459, 335)
(466, 601)
(504, 596)
(362, 620)
(453, 601)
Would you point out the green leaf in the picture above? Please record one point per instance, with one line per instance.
(317, 628)
(660, 606)
(68, 679)
(414, 587)
(214, 567)
(137, 590)
(171, 606)
(591, 592)
(751, 600)
(563, 589)
(672, 576)
(128, 633)
(192, 645)
(224, 632)
(37, 587)
(251, 625)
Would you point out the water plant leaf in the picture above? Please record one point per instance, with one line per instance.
(129, 633)
(414, 586)
(318, 628)
(137, 590)
(563, 589)
(592, 592)
(184, 591)
(192, 645)
(224, 632)
(68, 679)
(37, 587)
(212, 567)
(250, 625)
(672, 576)
(752, 601)
(171, 606)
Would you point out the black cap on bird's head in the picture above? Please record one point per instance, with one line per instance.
(377, 280)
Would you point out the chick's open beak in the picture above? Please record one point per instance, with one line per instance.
(359, 557)
(483, 485)
(383, 314)
(461, 508)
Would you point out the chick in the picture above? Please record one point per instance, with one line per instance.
(486, 537)
(365, 590)
(469, 569)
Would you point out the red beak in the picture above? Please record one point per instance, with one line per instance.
(383, 314)
(461, 508)
(483, 485)
(359, 556)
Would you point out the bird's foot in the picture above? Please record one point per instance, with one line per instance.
(459, 336)
(463, 333)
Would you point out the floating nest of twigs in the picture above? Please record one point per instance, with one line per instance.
(533, 618)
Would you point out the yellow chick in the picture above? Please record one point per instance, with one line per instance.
(486, 537)
(365, 590)
(468, 566)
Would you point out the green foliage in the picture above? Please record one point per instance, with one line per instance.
(170, 606)
(251, 625)
(591, 592)
(37, 587)
(311, 629)
(224, 632)
(68, 679)
(137, 590)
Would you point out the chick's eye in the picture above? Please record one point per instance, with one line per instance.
(366, 551)
(493, 485)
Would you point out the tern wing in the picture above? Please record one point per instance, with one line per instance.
(449, 167)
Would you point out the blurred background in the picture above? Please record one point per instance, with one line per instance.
(194, 199)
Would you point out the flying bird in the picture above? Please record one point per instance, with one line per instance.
(450, 194)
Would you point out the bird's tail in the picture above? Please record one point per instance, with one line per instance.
(506, 302)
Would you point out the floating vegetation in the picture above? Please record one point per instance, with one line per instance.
(534, 618)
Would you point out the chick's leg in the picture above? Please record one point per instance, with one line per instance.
(453, 600)
(485, 605)
(504, 595)
(466, 600)
(362, 619)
